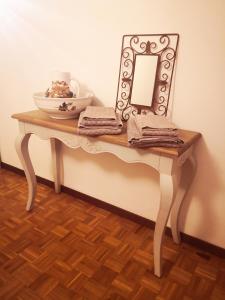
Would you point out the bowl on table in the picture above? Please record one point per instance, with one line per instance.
(63, 108)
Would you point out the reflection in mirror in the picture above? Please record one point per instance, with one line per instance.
(146, 72)
(144, 79)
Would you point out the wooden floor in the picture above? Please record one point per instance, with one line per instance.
(68, 249)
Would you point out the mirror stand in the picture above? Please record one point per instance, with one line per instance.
(146, 71)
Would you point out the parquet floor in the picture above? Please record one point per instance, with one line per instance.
(68, 249)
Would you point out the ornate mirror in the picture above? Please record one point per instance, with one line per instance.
(146, 71)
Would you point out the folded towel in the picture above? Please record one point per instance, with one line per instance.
(159, 132)
(153, 122)
(133, 133)
(135, 138)
(98, 120)
(99, 123)
(100, 113)
(99, 131)
(147, 145)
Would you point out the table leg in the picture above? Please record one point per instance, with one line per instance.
(55, 147)
(183, 187)
(167, 194)
(23, 153)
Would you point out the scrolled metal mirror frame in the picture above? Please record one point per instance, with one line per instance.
(162, 45)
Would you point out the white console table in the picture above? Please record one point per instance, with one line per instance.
(168, 162)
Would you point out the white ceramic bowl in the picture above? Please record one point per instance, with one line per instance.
(63, 108)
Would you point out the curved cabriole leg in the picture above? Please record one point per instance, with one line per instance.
(167, 193)
(55, 147)
(22, 151)
(185, 183)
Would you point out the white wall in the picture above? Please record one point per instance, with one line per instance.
(84, 37)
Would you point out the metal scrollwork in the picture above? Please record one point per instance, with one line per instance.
(162, 45)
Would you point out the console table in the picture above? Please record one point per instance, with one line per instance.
(168, 162)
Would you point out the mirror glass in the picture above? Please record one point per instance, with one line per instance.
(144, 79)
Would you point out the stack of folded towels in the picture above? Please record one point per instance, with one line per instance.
(98, 120)
(152, 131)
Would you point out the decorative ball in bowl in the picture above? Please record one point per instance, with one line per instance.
(63, 108)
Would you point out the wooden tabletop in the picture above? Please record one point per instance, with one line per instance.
(40, 118)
